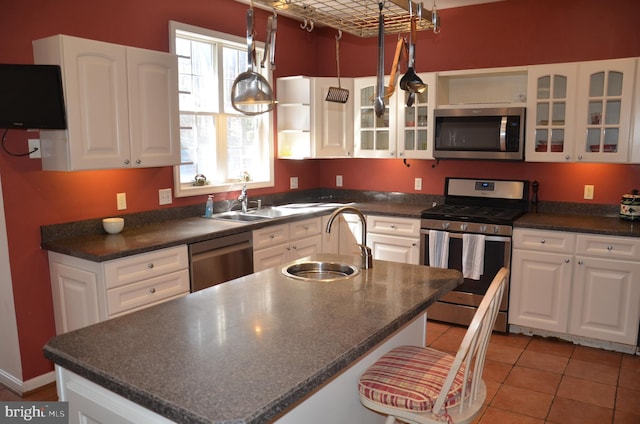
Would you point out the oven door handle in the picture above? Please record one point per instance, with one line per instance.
(502, 239)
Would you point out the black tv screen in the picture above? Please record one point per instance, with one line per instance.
(31, 96)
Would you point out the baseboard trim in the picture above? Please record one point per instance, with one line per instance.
(24, 387)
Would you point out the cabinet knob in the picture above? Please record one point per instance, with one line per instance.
(294, 247)
(306, 228)
(393, 226)
(609, 248)
(579, 157)
(543, 241)
(580, 262)
(152, 290)
(138, 161)
(567, 157)
(272, 236)
(150, 265)
(566, 261)
(414, 244)
(126, 162)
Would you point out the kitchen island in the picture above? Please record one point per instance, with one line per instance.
(256, 349)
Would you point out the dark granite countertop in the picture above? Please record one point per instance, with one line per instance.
(247, 350)
(100, 247)
(612, 226)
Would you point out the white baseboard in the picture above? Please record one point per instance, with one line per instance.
(21, 387)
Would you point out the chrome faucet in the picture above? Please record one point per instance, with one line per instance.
(367, 258)
(243, 198)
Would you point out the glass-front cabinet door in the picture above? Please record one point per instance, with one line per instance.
(604, 110)
(551, 104)
(375, 137)
(415, 123)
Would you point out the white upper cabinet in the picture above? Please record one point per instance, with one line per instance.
(402, 131)
(122, 106)
(580, 111)
(415, 122)
(374, 137)
(309, 126)
(551, 104)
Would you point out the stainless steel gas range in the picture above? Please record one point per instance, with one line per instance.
(471, 232)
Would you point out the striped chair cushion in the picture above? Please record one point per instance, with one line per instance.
(411, 377)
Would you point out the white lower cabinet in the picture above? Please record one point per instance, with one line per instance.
(278, 244)
(576, 284)
(394, 238)
(87, 292)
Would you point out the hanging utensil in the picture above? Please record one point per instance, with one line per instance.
(378, 103)
(270, 45)
(411, 82)
(338, 94)
(401, 47)
(251, 93)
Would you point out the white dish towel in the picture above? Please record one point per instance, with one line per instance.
(472, 256)
(438, 249)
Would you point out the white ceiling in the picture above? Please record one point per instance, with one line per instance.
(448, 4)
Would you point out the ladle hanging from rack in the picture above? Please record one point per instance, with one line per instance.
(251, 93)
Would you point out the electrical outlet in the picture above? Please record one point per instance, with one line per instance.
(34, 147)
(338, 180)
(588, 192)
(121, 200)
(418, 184)
(293, 183)
(164, 196)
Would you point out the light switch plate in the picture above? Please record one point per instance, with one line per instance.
(164, 196)
(588, 192)
(293, 183)
(418, 184)
(338, 180)
(121, 199)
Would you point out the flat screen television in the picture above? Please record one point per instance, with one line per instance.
(31, 96)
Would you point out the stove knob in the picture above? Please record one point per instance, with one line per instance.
(483, 229)
(464, 227)
(445, 225)
(496, 229)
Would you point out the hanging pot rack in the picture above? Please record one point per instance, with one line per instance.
(356, 17)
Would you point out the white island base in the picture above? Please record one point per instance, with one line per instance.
(337, 401)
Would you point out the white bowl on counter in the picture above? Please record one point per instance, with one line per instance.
(113, 225)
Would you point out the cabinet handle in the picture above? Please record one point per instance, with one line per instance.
(609, 248)
(150, 265)
(138, 161)
(152, 290)
(566, 261)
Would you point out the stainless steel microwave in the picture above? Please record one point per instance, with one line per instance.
(479, 133)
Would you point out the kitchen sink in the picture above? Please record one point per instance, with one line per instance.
(320, 271)
(240, 216)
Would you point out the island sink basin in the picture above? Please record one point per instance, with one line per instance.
(320, 271)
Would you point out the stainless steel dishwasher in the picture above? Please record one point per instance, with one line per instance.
(220, 259)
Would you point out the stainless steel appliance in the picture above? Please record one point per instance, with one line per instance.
(220, 259)
(479, 133)
(474, 206)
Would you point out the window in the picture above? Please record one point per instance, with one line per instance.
(218, 142)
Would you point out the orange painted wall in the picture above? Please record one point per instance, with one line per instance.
(529, 31)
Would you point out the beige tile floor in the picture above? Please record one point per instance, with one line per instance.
(532, 380)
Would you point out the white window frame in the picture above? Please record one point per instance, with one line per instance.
(184, 189)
